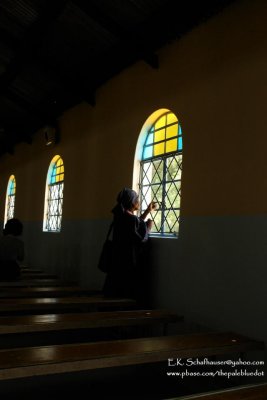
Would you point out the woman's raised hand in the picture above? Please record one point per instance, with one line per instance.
(152, 206)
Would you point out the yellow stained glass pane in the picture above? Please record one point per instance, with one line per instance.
(161, 122)
(171, 131)
(171, 118)
(57, 178)
(159, 135)
(171, 145)
(159, 149)
(62, 169)
(62, 177)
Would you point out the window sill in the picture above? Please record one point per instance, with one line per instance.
(157, 236)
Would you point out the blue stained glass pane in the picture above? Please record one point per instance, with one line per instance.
(51, 174)
(180, 130)
(180, 143)
(149, 139)
(11, 187)
(147, 152)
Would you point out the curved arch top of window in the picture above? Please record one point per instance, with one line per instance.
(159, 149)
(11, 187)
(165, 136)
(54, 196)
(10, 199)
(56, 171)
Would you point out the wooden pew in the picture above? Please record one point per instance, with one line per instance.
(34, 283)
(26, 270)
(49, 291)
(59, 359)
(63, 304)
(38, 275)
(252, 392)
(60, 328)
(54, 322)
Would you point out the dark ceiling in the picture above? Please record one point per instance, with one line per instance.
(55, 54)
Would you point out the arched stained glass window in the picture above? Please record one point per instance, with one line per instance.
(10, 199)
(54, 196)
(161, 172)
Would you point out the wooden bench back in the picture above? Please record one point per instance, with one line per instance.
(35, 283)
(28, 305)
(255, 392)
(49, 329)
(38, 275)
(46, 360)
(45, 291)
(55, 322)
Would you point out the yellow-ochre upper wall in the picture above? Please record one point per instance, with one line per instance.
(214, 79)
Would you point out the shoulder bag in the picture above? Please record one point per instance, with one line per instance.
(105, 258)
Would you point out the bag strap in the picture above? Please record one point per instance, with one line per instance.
(109, 231)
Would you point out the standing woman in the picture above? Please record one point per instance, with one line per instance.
(130, 234)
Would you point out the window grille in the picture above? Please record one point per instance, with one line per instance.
(160, 174)
(10, 199)
(54, 196)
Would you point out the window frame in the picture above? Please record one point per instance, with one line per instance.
(54, 201)
(165, 158)
(10, 198)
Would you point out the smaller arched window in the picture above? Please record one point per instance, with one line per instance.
(10, 199)
(54, 196)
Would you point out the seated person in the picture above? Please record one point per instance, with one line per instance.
(11, 250)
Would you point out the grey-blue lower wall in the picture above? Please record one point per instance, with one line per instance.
(72, 254)
(215, 273)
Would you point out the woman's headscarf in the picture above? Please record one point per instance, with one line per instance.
(125, 200)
